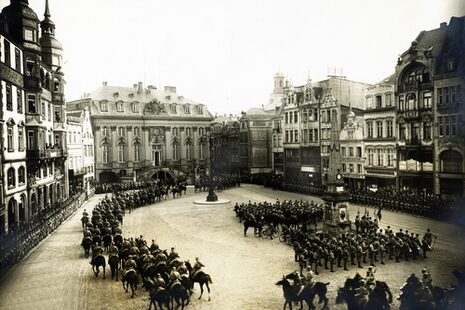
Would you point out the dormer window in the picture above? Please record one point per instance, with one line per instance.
(104, 106)
(450, 64)
(135, 107)
(173, 108)
(30, 35)
(119, 106)
(200, 109)
(187, 109)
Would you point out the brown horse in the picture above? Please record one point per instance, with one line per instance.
(114, 261)
(200, 277)
(130, 278)
(299, 293)
(97, 261)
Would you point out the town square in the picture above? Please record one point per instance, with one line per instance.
(318, 165)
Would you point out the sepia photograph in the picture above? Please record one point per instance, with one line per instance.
(232, 155)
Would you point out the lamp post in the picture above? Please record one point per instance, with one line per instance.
(211, 187)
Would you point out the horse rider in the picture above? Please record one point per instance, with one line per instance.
(427, 279)
(309, 277)
(428, 237)
(174, 275)
(160, 280)
(96, 251)
(173, 254)
(130, 263)
(370, 278)
(113, 249)
(197, 266)
(182, 269)
(84, 213)
(362, 294)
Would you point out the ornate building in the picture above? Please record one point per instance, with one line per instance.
(143, 133)
(225, 132)
(38, 126)
(380, 135)
(430, 111)
(352, 152)
(80, 150)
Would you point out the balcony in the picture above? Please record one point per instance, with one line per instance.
(47, 153)
(32, 83)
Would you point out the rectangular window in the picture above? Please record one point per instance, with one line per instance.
(378, 102)
(105, 132)
(121, 131)
(453, 95)
(446, 95)
(370, 129)
(120, 106)
(136, 131)
(29, 35)
(173, 108)
(135, 107)
(10, 139)
(401, 103)
(426, 130)
(296, 118)
(390, 157)
(359, 151)
(388, 100)
(370, 157)
(187, 109)
(343, 151)
(310, 135)
(19, 100)
(427, 100)
(121, 153)
(291, 136)
(379, 129)
(136, 152)
(188, 131)
(390, 131)
(42, 110)
(440, 126)
(6, 46)
(351, 151)
(304, 116)
(9, 98)
(359, 168)
(440, 97)
(20, 139)
(351, 168)
(49, 112)
(369, 102)
(106, 154)
(30, 140)
(344, 168)
(453, 125)
(296, 136)
(315, 115)
(17, 60)
(380, 157)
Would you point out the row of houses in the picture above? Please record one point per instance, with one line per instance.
(34, 174)
(406, 132)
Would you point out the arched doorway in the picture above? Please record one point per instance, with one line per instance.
(22, 208)
(11, 213)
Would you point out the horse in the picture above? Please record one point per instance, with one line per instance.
(379, 298)
(86, 244)
(256, 224)
(299, 293)
(107, 242)
(130, 279)
(200, 277)
(158, 295)
(179, 293)
(97, 261)
(318, 288)
(414, 296)
(114, 262)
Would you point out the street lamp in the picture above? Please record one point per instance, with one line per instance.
(211, 187)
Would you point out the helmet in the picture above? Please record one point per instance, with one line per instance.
(424, 270)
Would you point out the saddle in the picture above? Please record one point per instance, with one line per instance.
(128, 271)
(171, 286)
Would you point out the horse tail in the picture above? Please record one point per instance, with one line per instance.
(327, 283)
(209, 279)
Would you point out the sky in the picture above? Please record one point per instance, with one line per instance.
(224, 54)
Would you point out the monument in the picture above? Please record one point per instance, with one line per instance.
(336, 198)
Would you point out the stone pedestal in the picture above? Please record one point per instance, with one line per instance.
(336, 214)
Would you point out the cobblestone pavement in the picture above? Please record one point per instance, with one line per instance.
(56, 275)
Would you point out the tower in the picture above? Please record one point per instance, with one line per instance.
(278, 83)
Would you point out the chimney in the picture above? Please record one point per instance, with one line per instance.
(170, 89)
(135, 86)
(104, 83)
(443, 25)
(139, 87)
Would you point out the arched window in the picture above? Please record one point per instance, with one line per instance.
(202, 151)
(451, 161)
(175, 151)
(121, 153)
(175, 131)
(121, 131)
(137, 152)
(411, 102)
(105, 132)
(201, 131)
(189, 151)
(11, 177)
(21, 175)
(136, 131)
(106, 153)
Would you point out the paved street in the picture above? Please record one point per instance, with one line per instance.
(57, 276)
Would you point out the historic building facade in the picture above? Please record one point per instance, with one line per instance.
(37, 128)
(352, 152)
(380, 135)
(142, 133)
(225, 134)
(255, 145)
(430, 113)
(80, 151)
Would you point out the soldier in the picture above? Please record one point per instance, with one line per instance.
(381, 250)
(309, 277)
(427, 279)
(331, 259)
(316, 259)
(371, 254)
(359, 255)
(338, 253)
(345, 257)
